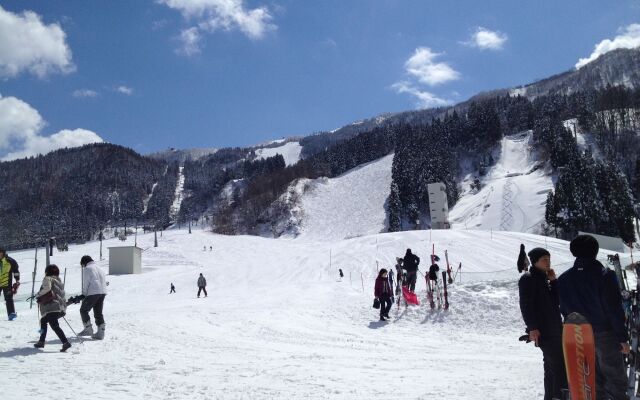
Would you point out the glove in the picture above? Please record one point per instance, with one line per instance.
(16, 285)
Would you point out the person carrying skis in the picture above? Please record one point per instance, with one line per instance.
(52, 305)
(202, 285)
(410, 263)
(523, 261)
(94, 288)
(539, 304)
(9, 271)
(382, 291)
(173, 288)
(592, 290)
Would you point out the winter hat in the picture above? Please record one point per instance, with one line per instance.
(584, 246)
(536, 254)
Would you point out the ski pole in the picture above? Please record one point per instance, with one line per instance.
(74, 332)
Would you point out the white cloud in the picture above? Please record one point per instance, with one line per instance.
(628, 38)
(212, 15)
(425, 99)
(124, 90)
(27, 44)
(190, 39)
(486, 39)
(20, 127)
(423, 67)
(81, 93)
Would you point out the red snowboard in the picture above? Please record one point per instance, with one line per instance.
(580, 357)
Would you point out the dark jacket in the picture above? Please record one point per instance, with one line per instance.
(410, 262)
(523, 260)
(382, 288)
(592, 290)
(8, 271)
(433, 272)
(539, 303)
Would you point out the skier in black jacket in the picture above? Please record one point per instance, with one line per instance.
(539, 304)
(592, 290)
(410, 264)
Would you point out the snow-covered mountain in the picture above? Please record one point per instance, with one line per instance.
(279, 323)
(182, 155)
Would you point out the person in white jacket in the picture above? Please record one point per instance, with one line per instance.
(94, 288)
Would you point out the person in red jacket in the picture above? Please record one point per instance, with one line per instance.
(383, 293)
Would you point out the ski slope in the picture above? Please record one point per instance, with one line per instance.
(290, 151)
(278, 323)
(514, 193)
(350, 205)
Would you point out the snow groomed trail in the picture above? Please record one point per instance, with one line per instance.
(513, 195)
(278, 323)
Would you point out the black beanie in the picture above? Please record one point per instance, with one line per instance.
(536, 254)
(584, 246)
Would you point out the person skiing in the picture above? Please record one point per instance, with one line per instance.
(382, 291)
(539, 304)
(410, 263)
(173, 288)
(94, 288)
(202, 285)
(52, 305)
(523, 261)
(592, 290)
(8, 272)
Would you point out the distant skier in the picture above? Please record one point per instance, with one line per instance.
(410, 263)
(202, 285)
(94, 288)
(592, 290)
(539, 304)
(210, 248)
(173, 288)
(523, 261)
(52, 305)
(341, 273)
(8, 272)
(383, 293)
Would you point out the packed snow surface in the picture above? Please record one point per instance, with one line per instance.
(290, 151)
(513, 195)
(350, 205)
(280, 324)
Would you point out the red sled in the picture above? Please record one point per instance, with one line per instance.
(410, 297)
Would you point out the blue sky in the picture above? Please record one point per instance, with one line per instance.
(216, 73)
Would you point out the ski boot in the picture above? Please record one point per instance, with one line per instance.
(38, 344)
(13, 316)
(88, 329)
(65, 347)
(100, 334)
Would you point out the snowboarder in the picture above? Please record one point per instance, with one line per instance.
(8, 272)
(202, 285)
(173, 288)
(52, 305)
(94, 288)
(410, 263)
(523, 261)
(592, 290)
(383, 293)
(539, 305)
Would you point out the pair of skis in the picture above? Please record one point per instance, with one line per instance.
(442, 297)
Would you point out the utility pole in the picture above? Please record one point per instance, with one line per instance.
(155, 237)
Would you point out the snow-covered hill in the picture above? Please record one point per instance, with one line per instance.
(513, 194)
(278, 323)
(350, 205)
(290, 151)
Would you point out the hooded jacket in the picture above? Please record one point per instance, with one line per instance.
(201, 281)
(8, 271)
(539, 303)
(58, 304)
(592, 290)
